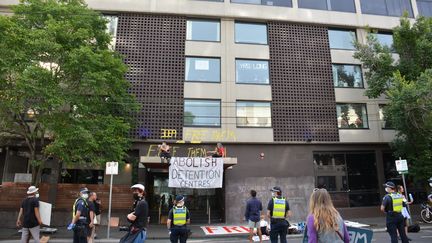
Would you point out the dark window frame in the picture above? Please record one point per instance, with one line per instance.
(255, 101)
(252, 59)
(361, 74)
(197, 99)
(206, 20)
(206, 82)
(255, 23)
(342, 29)
(354, 103)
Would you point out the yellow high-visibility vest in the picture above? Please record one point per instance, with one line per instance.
(397, 200)
(279, 208)
(74, 206)
(179, 215)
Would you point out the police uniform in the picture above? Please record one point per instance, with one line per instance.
(393, 203)
(178, 230)
(81, 228)
(278, 207)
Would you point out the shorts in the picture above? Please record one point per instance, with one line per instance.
(253, 224)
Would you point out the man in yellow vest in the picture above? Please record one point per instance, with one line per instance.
(178, 218)
(277, 211)
(392, 207)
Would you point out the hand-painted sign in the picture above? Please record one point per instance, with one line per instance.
(195, 172)
(359, 235)
(225, 230)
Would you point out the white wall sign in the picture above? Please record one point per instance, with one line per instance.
(195, 172)
(401, 165)
(202, 65)
(111, 168)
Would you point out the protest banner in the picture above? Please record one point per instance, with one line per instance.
(195, 172)
(45, 212)
(359, 235)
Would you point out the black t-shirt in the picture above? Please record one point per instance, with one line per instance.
(91, 206)
(97, 208)
(83, 207)
(171, 216)
(141, 212)
(28, 205)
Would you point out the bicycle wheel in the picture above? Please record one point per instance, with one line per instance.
(426, 216)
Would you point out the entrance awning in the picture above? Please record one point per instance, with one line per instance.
(156, 162)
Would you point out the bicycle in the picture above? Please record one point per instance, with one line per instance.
(426, 213)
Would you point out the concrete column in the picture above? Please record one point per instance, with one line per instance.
(415, 9)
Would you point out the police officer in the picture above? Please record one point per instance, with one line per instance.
(80, 217)
(392, 207)
(178, 218)
(278, 210)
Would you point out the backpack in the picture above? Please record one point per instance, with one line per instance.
(414, 228)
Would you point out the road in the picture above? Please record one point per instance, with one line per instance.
(424, 236)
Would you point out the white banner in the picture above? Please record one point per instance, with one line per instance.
(195, 172)
(45, 212)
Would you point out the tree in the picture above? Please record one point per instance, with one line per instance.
(62, 89)
(407, 83)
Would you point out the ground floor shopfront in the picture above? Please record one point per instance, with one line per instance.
(353, 173)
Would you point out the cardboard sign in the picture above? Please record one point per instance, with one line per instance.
(195, 172)
(359, 235)
(45, 212)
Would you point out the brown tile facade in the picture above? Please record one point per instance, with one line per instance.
(303, 98)
(154, 49)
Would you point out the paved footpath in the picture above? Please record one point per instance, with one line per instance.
(159, 234)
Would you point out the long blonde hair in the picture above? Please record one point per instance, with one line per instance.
(321, 208)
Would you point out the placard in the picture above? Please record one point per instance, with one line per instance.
(401, 165)
(111, 168)
(45, 212)
(195, 172)
(359, 235)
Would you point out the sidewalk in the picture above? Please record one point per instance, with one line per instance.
(160, 232)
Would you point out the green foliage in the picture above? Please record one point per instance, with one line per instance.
(407, 83)
(60, 81)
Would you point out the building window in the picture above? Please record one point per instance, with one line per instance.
(250, 33)
(425, 7)
(384, 119)
(112, 24)
(281, 3)
(350, 177)
(332, 5)
(205, 113)
(202, 69)
(352, 116)
(342, 39)
(347, 76)
(252, 72)
(253, 114)
(386, 7)
(385, 39)
(203, 30)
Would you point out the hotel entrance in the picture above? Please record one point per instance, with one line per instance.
(205, 205)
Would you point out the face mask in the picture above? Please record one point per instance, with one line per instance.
(430, 184)
(136, 196)
(37, 195)
(388, 190)
(85, 196)
(180, 204)
(273, 194)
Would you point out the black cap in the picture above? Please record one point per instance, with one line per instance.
(276, 189)
(179, 198)
(389, 184)
(84, 190)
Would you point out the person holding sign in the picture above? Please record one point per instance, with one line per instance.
(324, 223)
(219, 151)
(392, 207)
(32, 220)
(405, 212)
(278, 210)
(178, 219)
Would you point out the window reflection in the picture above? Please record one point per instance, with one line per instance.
(349, 76)
(202, 69)
(203, 30)
(342, 39)
(252, 72)
(352, 116)
(202, 113)
(253, 114)
(250, 33)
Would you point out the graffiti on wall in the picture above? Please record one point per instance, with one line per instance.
(177, 151)
(200, 134)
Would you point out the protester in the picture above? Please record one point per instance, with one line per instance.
(80, 217)
(178, 219)
(218, 152)
(324, 223)
(164, 152)
(138, 217)
(92, 208)
(98, 211)
(277, 211)
(405, 212)
(31, 216)
(252, 215)
(392, 207)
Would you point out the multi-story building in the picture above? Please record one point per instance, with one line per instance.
(274, 80)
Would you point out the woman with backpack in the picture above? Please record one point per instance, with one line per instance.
(324, 223)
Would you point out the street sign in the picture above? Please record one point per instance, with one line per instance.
(401, 165)
(111, 168)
